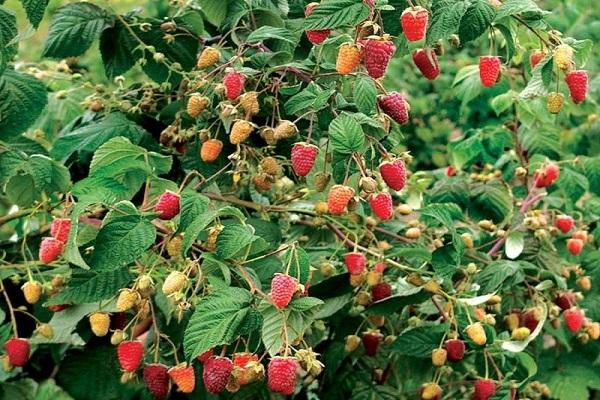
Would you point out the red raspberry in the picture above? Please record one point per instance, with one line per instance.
(234, 84)
(575, 246)
(17, 351)
(382, 206)
(338, 198)
(156, 378)
(377, 55)
(574, 319)
(450, 170)
(242, 359)
(281, 375)
(536, 56)
(371, 340)
(183, 376)
(427, 62)
(395, 105)
(414, 23)
(303, 158)
(393, 173)
(455, 349)
(564, 222)
(130, 354)
(489, 70)
(315, 36)
(380, 267)
(216, 374)
(168, 205)
(50, 249)
(355, 262)
(381, 291)
(283, 288)
(484, 389)
(577, 81)
(566, 300)
(546, 175)
(530, 319)
(60, 229)
(205, 356)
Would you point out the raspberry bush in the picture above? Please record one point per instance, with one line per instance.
(253, 199)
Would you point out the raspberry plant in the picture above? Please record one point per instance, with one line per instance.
(348, 199)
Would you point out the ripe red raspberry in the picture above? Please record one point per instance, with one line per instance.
(283, 288)
(156, 379)
(130, 354)
(382, 206)
(371, 340)
(377, 55)
(50, 249)
(531, 318)
(183, 376)
(566, 300)
(574, 319)
(315, 36)
(414, 23)
(575, 246)
(455, 349)
(546, 175)
(427, 62)
(489, 70)
(168, 205)
(17, 351)
(395, 105)
(577, 81)
(381, 291)
(303, 158)
(60, 229)
(536, 56)
(355, 262)
(338, 198)
(450, 170)
(205, 356)
(242, 359)
(234, 84)
(216, 374)
(393, 173)
(564, 222)
(281, 375)
(380, 267)
(484, 389)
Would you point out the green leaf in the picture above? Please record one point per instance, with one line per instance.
(540, 141)
(35, 10)
(21, 190)
(495, 274)
(269, 33)
(298, 263)
(516, 7)
(64, 325)
(313, 97)
(332, 14)
(591, 169)
(395, 304)
(492, 200)
(541, 77)
(573, 183)
(214, 11)
(503, 102)
(420, 341)
(121, 241)
(465, 150)
(305, 303)
(116, 47)
(277, 323)
(445, 19)
(467, 83)
(217, 320)
(515, 242)
(8, 31)
(88, 287)
(476, 20)
(74, 28)
(193, 205)
(583, 50)
(509, 39)
(23, 99)
(233, 239)
(346, 134)
(365, 94)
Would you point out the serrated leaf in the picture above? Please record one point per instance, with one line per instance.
(270, 33)
(540, 79)
(420, 341)
(305, 303)
(35, 10)
(591, 169)
(516, 7)
(515, 242)
(445, 19)
(214, 11)
(476, 20)
(277, 323)
(503, 101)
(492, 200)
(64, 324)
(332, 14)
(8, 31)
(232, 239)
(298, 263)
(573, 183)
(88, 287)
(312, 97)
(365, 94)
(395, 304)
(116, 46)
(346, 134)
(495, 273)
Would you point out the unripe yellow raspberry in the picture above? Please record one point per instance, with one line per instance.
(240, 131)
(32, 290)
(174, 282)
(100, 322)
(438, 357)
(555, 102)
(196, 104)
(174, 246)
(269, 166)
(520, 333)
(127, 299)
(476, 333)
(563, 57)
(286, 129)
(348, 58)
(208, 57)
(249, 103)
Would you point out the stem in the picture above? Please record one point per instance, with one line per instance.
(13, 320)
(16, 215)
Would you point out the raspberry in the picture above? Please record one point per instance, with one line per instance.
(546, 175)
(240, 131)
(380, 267)
(32, 291)
(210, 150)
(489, 70)
(574, 319)
(348, 58)
(431, 391)
(455, 349)
(450, 171)
(414, 23)
(476, 333)
(536, 56)
(130, 354)
(234, 84)
(184, 378)
(283, 288)
(355, 262)
(17, 351)
(484, 389)
(427, 62)
(377, 54)
(270, 166)
(382, 206)
(338, 198)
(173, 248)
(127, 299)
(577, 81)
(439, 357)
(196, 104)
(281, 374)
(99, 322)
(249, 103)
(566, 300)
(205, 356)
(45, 330)
(563, 57)
(174, 282)
(167, 206)
(395, 105)
(531, 318)
(581, 235)
(216, 374)
(321, 181)
(303, 158)
(315, 36)
(156, 378)
(208, 57)
(574, 246)
(371, 340)
(60, 228)
(393, 173)
(564, 222)
(50, 249)
(263, 182)
(520, 333)
(285, 129)
(268, 134)
(247, 368)
(555, 102)
(381, 291)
